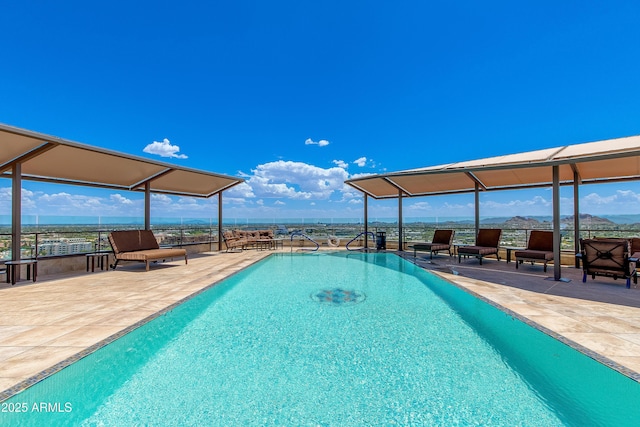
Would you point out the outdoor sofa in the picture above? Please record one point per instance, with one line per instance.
(244, 239)
(141, 246)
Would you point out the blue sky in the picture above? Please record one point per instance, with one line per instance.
(296, 97)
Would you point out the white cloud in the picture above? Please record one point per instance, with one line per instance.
(160, 199)
(118, 198)
(362, 161)
(241, 191)
(341, 164)
(321, 143)
(164, 149)
(296, 180)
(620, 202)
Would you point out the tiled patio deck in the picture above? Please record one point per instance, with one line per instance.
(600, 317)
(44, 323)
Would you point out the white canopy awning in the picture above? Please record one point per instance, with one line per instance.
(38, 157)
(602, 161)
(52, 159)
(611, 160)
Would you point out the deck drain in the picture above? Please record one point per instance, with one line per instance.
(338, 296)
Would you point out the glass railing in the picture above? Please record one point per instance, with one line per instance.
(68, 241)
(72, 240)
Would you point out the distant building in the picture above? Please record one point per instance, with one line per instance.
(64, 246)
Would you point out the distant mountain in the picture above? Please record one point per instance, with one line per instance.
(587, 219)
(523, 222)
(545, 222)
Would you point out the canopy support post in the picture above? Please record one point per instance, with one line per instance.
(16, 214)
(556, 224)
(147, 205)
(366, 221)
(400, 245)
(476, 195)
(576, 216)
(220, 222)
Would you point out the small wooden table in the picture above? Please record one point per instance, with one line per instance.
(277, 243)
(263, 244)
(12, 266)
(511, 248)
(459, 245)
(103, 260)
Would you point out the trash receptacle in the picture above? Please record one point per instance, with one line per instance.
(381, 240)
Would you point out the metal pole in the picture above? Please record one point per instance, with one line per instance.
(576, 217)
(476, 195)
(366, 221)
(16, 214)
(400, 245)
(147, 205)
(556, 223)
(220, 221)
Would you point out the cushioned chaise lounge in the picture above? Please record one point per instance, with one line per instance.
(487, 243)
(442, 241)
(539, 248)
(141, 246)
(607, 257)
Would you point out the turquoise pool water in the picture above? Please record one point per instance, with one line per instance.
(332, 339)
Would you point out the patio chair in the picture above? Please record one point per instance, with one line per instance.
(539, 248)
(442, 241)
(487, 243)
(606, 257)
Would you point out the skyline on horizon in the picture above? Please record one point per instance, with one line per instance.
(80, 220)
(297, 98)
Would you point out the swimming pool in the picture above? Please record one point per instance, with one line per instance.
(332, 339)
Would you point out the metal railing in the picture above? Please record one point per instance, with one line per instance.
(366, 235)
(304, 236)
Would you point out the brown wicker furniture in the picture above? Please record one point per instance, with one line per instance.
(232, 241)
(487, 243)
(442, 241)
(539, 248)
(243, 239)
(141, 246)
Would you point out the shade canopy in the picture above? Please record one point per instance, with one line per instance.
(602, 161)
(56, 160)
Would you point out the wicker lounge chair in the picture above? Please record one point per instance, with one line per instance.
(607, 257)
(442, 241)
(233, 241)
(141, 246)
(487, 243)
(261, 239)
(539, 248)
